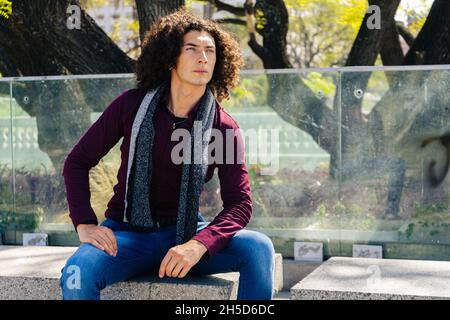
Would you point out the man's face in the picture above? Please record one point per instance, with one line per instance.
(195, 64)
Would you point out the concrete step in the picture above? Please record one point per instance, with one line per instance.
(361, 278)
(294, 271)
(32, 273)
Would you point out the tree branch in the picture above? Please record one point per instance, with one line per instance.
(405, 33)
(430, 47)
(391, 52)
(61, 108)
(364, 52)
(7, 68)
(260, 51)
(232, 21)
(238, 11)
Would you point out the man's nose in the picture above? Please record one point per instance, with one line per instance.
(203, 58)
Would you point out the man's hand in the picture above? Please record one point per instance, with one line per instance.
(180, 259)
(101, 237)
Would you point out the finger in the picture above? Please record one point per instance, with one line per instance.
(162, 268)
(96, 244)
(104, 241)
(177, 269)
(171, 265)
(104, 234)
(184, 271)
(112, 238)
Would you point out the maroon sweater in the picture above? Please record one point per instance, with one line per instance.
(116, 122)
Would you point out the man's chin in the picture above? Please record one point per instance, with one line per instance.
(199, 82)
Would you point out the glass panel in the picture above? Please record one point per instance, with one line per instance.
(7, 217)
(49, 117)
(290, 131)
(388, 148)
(337, 166)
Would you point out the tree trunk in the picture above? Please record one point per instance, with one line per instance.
(288, 95)
(417, 106)
(150, 11)
(62, 109)
(365, 49)
(296, 104)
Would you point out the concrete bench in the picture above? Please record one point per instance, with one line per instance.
(294, 271)
(32, 273)
(361, 278)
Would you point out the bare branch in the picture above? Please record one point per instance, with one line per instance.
(259, 50)
(405, 33)
(238, 11)
(232, 20)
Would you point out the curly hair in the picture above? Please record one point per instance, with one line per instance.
(162, 45)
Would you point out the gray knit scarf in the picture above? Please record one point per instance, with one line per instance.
(137, 190)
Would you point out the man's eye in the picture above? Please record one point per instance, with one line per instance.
(190, 48)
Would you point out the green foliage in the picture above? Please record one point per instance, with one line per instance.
(24, 221)
(344, 216)
(434, 232)
(409, 230)
(415, 13)
(321, 32)
(251, 92)
(261, 20)
(431, 219)
(429, 208)
(257, 179)
(318, 81)
(5, 9)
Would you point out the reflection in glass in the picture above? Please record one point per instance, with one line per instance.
(7, 217)
(49, 117)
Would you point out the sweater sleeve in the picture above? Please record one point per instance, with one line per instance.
(87, 152)
(237, 203)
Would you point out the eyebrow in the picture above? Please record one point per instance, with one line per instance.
(195, 45)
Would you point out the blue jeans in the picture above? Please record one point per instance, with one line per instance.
(250, 253)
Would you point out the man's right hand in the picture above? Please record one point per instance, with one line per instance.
(101, 237)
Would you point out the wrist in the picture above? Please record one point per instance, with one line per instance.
(200, 246)
(82, 226)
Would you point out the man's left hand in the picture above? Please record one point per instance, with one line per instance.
(180, 259)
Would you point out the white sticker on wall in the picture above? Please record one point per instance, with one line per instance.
(308, 251)
(367, 251)
(34, 239)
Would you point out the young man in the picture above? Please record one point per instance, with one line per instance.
(152, 222)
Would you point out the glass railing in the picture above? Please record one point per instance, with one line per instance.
(337, 156)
